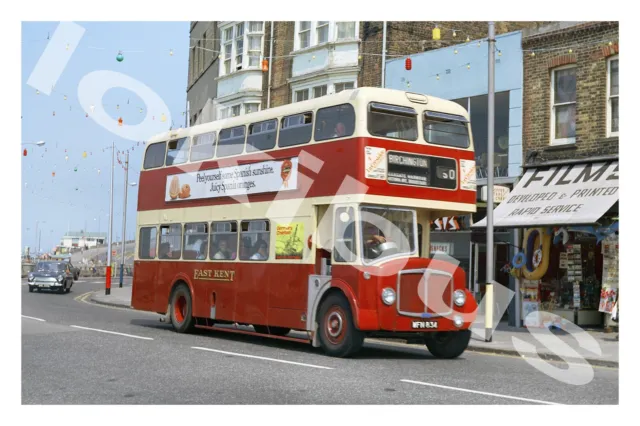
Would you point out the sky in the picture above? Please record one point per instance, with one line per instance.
(77, 197)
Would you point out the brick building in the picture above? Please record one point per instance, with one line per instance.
(570, 91)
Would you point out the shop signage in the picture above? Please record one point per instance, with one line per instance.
(446, 248)
(564, 194)
(247, 179)
(450, 223)
(499, 193)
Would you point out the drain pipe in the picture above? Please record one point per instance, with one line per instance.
(384, 50)
(270, 67)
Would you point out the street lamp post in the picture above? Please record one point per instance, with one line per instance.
(107, 290)
(124, 214)
(488, 321)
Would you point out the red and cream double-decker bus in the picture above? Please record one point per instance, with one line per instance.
(310, 222)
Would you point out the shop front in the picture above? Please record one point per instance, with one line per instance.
(567, 262)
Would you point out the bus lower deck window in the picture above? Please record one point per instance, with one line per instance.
(255, 240)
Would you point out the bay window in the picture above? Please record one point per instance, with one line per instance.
(305, 34)
(339, 87)
(322, 30)
(240, 41)
(563, 99)
(301, 95)
(319, 91)
(612, 101)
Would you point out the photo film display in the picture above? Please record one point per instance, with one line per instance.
(421, 170)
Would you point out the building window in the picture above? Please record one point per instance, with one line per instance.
(239, 45)
(319, 91)
(255, 26)
(251, 107)
(305, 34)
(563, 98)
(346, 30)
(302, 95)
(240, 40)
(339, 87)
(255, 50)
(235, 110)
(613, 107)
(322, 30)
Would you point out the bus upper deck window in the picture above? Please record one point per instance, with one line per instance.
(392, 121)
(296, 129)
(446, 129)
(335, 122)
(177, 152)
(262, 136)
(203, 146)
(231, 141)
(154, 156)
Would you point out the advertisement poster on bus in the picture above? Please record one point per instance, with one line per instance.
(290, 240)
(246, 179)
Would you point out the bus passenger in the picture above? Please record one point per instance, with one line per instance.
(223, 251)
(339, 130)
(261, 253)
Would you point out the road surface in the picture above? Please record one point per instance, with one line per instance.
(76, 352)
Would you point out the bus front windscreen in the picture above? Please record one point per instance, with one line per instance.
(387, 231)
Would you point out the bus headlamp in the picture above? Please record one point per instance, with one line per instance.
(459, 297)
(388, 296)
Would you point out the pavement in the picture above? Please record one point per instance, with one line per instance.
(75, 351)
(556, 345)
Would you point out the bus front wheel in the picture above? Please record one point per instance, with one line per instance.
(181, 309)
(448, 344)
(337, 332)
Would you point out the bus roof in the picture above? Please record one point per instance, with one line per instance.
(362, 95)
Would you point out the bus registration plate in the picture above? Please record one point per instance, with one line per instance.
(424, 324)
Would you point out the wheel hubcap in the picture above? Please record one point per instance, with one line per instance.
(335, 325)
(180, 308)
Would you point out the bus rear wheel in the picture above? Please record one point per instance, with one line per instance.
(274, 331)
(448, 344)
(337, 332)
(181, 309)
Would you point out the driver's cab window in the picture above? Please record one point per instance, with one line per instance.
(344, 246)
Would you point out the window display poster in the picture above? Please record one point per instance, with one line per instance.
(608, 296)
(576, 295)
(530, 314)
(530, 291)
(564, 260)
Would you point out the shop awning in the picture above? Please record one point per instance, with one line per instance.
(569, 194)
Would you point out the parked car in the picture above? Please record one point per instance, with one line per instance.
(51, 275)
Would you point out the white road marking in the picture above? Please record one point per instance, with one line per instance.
(112, 332)
(264, 358)
(34, 318)
(481, 393)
